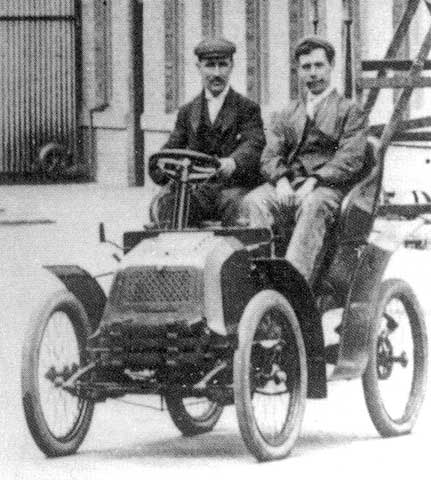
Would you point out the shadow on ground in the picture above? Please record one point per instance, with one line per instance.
(219, 444)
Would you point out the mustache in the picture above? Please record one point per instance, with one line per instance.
(313, 83)
(217, 79)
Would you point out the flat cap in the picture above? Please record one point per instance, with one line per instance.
(214, 47)
(311, 42)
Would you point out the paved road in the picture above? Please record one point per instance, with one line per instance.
(338, 439)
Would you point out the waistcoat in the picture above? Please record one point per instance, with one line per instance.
(313, 143)
(208, 136)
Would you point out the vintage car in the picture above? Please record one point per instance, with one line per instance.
(216, 316)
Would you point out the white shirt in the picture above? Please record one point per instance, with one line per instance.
(215, 103)
(314, 100)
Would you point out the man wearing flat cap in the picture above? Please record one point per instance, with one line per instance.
(222, 123)
(314, 155)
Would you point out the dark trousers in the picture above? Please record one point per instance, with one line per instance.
(207, 202)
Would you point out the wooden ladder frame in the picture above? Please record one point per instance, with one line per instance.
(396, 128)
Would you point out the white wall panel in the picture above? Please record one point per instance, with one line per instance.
(193, 34)
(154, 57)
(112, 150)
(234, 30)
(279, 65)
(407, 168)
(112, 137)
(421, 98)
(376, 33)
(120, 52)
(115, 116)
(334, 26)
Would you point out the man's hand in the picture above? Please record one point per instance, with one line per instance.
(285, 193)
(227, 167)
(305, 189)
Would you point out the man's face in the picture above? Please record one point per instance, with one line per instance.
(215, 73)
(315, 70)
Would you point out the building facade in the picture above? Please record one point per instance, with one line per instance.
(132, 66)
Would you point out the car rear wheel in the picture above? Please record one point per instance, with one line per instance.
(53, 350)
(270, 376)
(192, 415)
(395, 379)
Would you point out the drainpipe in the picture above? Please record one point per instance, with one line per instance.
(92, 152)
(102, 62)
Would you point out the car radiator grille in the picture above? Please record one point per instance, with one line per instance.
(156, 289)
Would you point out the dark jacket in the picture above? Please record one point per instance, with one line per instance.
(237, 132)
(341, 128)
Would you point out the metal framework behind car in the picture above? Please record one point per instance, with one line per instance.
(397, 128)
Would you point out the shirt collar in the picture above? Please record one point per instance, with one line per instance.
(315, 99)
(210, 97)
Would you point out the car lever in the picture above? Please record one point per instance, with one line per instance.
(102, 239)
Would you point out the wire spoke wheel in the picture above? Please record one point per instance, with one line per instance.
(58, 360)
(395, 379)
(53, 351)
(270, 376)
(192, 415)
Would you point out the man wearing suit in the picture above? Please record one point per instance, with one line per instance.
(314, 155)
(219, 122)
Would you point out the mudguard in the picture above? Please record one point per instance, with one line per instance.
(229, 286)
(84, 287)
(283, 277)
(358, 313)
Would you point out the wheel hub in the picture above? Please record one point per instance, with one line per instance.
(386, 358)
(58, 378)
(268, 370)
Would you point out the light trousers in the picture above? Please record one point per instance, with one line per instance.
(312, 219)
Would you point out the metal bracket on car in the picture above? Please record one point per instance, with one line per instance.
(69, 384)
(201, 385)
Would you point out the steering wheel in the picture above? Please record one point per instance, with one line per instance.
(185, 165)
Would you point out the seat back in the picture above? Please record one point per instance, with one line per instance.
(354, 225)
(359, 205)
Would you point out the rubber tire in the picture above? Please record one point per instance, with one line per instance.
(51, 446)
(52, 160)
(385, 425)
(187, 424)
(256, 444)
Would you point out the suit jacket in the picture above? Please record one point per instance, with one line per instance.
(238, 133)
(341, 127)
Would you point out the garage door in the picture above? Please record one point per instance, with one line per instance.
(38, 44)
